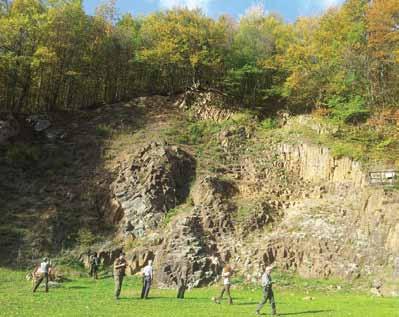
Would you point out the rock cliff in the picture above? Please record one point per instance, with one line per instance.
(155, 181)
(265, 201)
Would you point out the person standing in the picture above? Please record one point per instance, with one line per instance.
(119, 273)
(182, 282)
(147, 280)
(94, 264)
(43, 274)
(268, 295)
(226, 274)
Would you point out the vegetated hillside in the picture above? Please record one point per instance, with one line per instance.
(265, 160)
(54, 183)
(199, 183)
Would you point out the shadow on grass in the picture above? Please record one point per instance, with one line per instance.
(246, 304)
(77, 287)
(306, 312)
(138, 299)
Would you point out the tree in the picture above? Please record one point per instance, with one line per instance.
(183, 45)
(253, 74)
(329, 57)
(54, 56)
(20, 33)
(383, 46)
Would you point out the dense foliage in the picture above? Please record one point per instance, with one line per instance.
(53, 56)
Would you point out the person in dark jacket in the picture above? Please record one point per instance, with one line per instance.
(181, 282)
(94, 265)
(120, 265)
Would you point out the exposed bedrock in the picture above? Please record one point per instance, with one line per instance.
(156, 180)
(290, 204)
(340, 225)
(191, 242)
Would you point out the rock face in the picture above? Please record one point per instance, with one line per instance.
(211, 197)
(8, 129)
(207, 105)
(315, 163)
(186, 245)
(262, 214)
(335, 225)
(194, 243)
(294, 205)
(348, 219)
(138, 259)
(156, 181)
(107, 255)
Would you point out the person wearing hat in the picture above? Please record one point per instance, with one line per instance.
(268, 295)
(119, 273)
(43, 271)
(147, 280)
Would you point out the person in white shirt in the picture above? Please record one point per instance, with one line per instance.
(226, 274)
(268, 295)
(147, 280)
(43, 271)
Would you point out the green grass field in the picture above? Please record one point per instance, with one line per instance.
(85, 297)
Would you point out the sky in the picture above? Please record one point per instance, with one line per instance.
(289, 9)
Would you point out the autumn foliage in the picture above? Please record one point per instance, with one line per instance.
(53, 56)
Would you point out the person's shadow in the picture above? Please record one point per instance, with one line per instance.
(246, 304)
(76, 287)
(306, 312)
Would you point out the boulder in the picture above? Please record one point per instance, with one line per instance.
(39, 123)
(53, 134)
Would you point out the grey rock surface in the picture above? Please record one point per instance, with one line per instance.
(156, 181)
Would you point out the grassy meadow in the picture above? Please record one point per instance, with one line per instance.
(84, 297)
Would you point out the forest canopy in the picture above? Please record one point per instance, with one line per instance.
(53, 56)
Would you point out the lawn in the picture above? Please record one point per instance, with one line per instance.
(85, 297)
